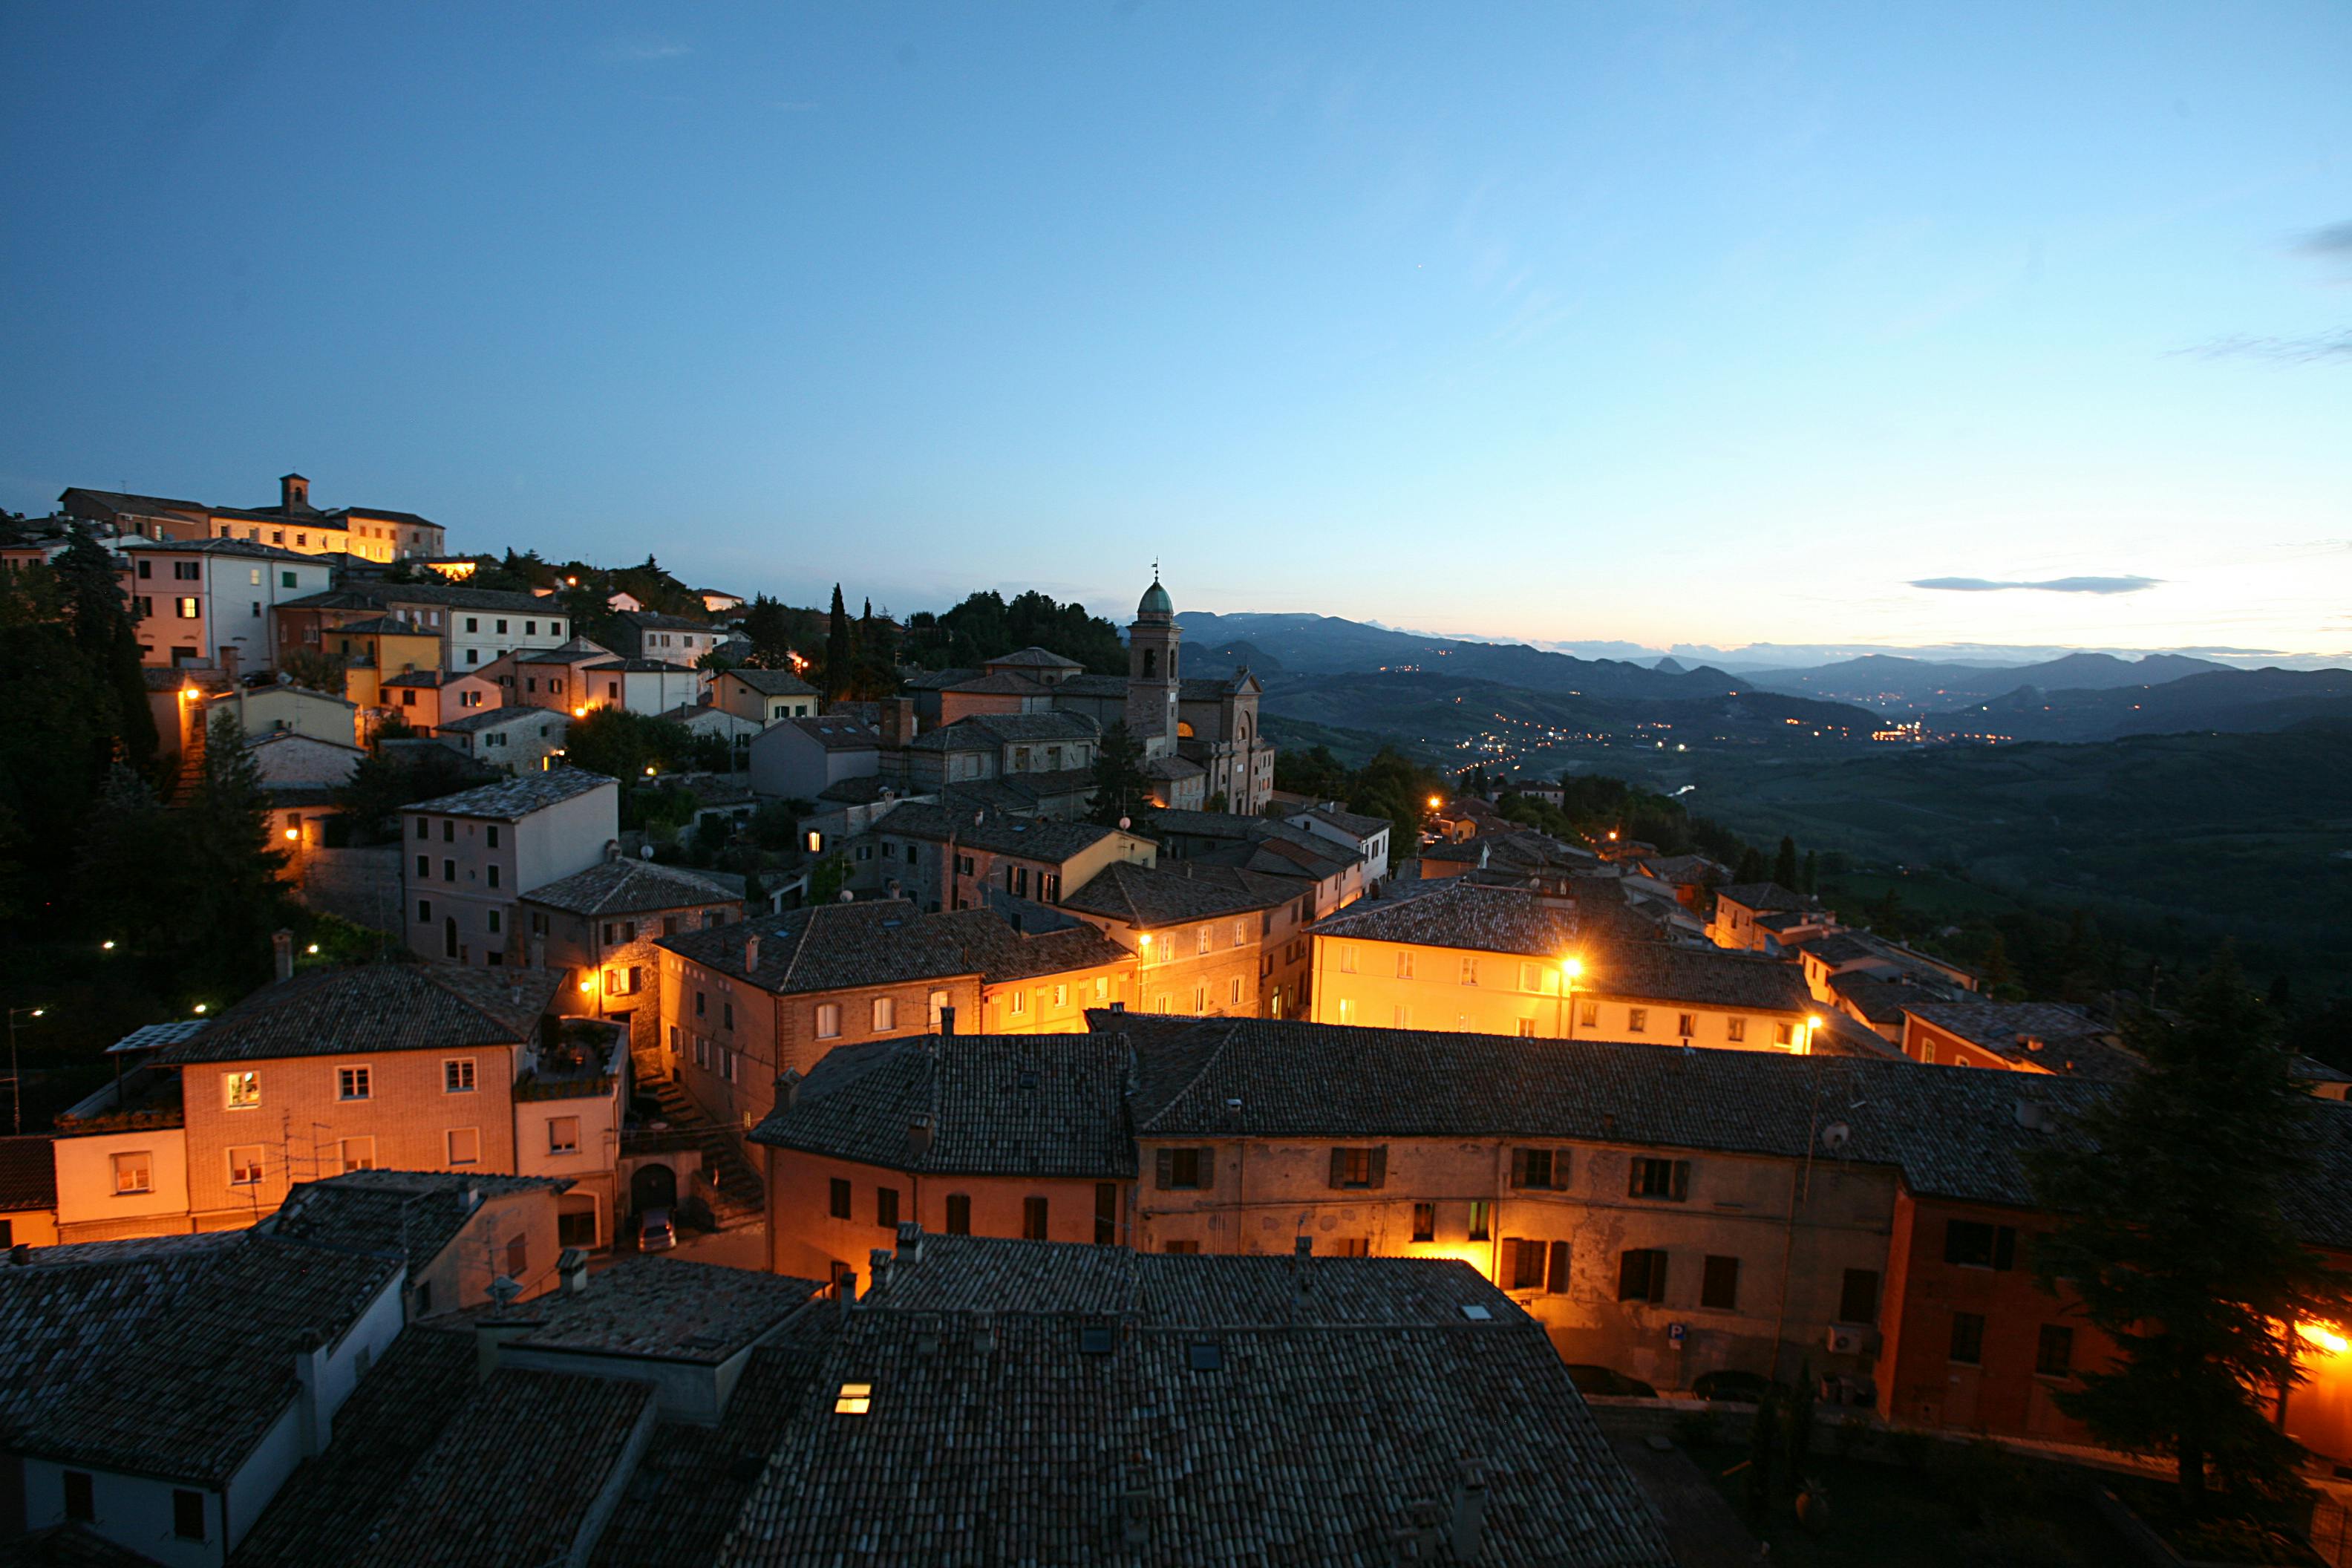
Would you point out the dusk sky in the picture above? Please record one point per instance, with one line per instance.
(1701, 323)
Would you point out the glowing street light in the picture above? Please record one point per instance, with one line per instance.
(314, 947)
(204, 1007)
(1570, 969)
(106, 946)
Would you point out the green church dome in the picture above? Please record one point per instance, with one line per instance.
(1156, 601)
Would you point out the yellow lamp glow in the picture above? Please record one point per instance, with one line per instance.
(314, 947)
(106, 946)
(1571, 967)
(292, 833)
(2327, 1340)
(579, 712)
(202, 1006)
(1435, 801)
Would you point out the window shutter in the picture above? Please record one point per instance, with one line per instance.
(1518, 1167)
(1632, 1276)
(1339, 1167)
(1208, 1168)
(2004, 1247)
(1514, 1262)
(1682, 1179)
(1560, 1169)
(1380, 1165)
(1633, 1178)
(1555, 1273)
(1167, 1163)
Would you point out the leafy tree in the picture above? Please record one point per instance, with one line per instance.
(828, 877)
(2178, 1248)
(1784, 865)
(318, 671)
(99, 614)
(1121, 788)
(621, 744)
(230, 874)
(985, 626)
(769, 626)
(384, 782)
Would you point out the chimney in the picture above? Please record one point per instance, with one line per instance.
(1302, 1247)
(1469, 1531)
(947, 1021)
(877, 1262)
(844, 1291)
(571, 1267)
(282, 953)
(612, 849)
(489, 1333)
(751, 953)
(293, 493)
(21, 1255)
(919, 1138)
(317, 1412)
(910, 1242)
(788, 1090)
(984, 1333)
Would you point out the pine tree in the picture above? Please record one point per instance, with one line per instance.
(106, 635)
(232, 888)
(1784, 865)
(2178, 1248)
(1811, 874)
(1750, 869)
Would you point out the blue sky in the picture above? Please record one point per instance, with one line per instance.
(1693, 323)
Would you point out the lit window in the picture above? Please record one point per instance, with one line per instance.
(885, 1014)
(854, 1399)
(134, 1173)
(1346, 958)
(1469, 972)
(1404, 966)
(241, 1090)
(1637, 1020)
(1018, 1002)
(829, 1021)
(245, 1166)
(1735, 1029)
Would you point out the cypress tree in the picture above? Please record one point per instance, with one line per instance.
(1784, 865)
(838, 655)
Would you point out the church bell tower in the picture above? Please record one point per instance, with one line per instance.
(1151, 679)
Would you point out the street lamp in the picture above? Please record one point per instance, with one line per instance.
(1813, 1028)
(15, 1082)
(1569, 968)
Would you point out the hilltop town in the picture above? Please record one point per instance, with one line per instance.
(858, 1089)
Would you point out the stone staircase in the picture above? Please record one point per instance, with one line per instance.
(739, 1199)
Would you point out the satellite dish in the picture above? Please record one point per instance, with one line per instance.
(645, 851)
(1836, 1136)
(846, 895)
(1123, 824)
(503, 1290)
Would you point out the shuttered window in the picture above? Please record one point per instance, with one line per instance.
(1187, 1170)
(1541, 1170)
(1360, 1167)
(1642, 1275)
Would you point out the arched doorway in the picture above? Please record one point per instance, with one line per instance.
(653, 1187)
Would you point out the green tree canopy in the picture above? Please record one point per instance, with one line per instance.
(2177, 1246)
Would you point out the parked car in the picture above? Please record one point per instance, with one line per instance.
(1600, 1382)
(1746, 1387)
(655, 1231)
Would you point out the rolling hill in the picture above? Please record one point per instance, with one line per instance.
(2232, 699)
(1327, 644)
(1890, 683)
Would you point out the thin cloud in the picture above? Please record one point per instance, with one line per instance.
(2336, 240)
(2048, 586)
(646, 49)
(2336, 345)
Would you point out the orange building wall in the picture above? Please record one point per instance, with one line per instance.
(302, 1118)
(805, 1240)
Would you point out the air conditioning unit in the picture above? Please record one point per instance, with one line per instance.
(1852, 1339)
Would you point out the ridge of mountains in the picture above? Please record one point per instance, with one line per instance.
(1333, 671)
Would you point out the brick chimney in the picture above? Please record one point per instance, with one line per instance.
(571, 1267)
(751, 953)
(281, 953)
(293, 493)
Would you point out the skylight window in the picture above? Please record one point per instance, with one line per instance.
(1476, 1314)
(1208, 1355)
(854, 1399)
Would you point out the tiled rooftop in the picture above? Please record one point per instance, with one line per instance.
(987, 732)
(516, 1477)
(829, 947)
(409, 1215)
(498, 719)
(774, 682)
(629, 885)
(28, 1174)
(661, 1309)
(839, 733)
(375, 1007)
(1148, 897)
(511, 800)
(2049, 1035)
(1201, 1431)
(190, 1403)
(1003, 955)
(1460, 914)
(1031, 1105)
(1765, 897)
(997, 832)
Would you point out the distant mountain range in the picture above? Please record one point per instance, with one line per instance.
(1891, 684)
(1328, 670)
(2239, 700)
(1327, 644)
